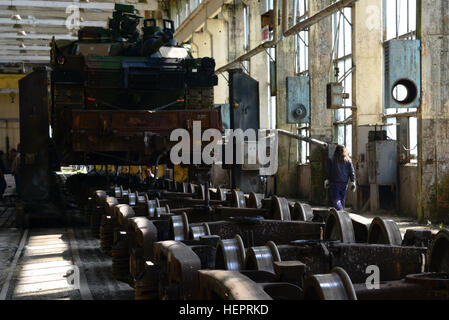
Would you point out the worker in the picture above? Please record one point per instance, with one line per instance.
(2, 179)
(338, 171)
(15, 168)
(149, 176)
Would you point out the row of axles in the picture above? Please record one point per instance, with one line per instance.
(257, 248)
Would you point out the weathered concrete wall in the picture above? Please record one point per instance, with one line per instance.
(304, 181)
(9, 109)
(408, 176)
(433, 119)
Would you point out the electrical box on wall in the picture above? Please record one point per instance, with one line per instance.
(402, 74)
(335, 95)
(298, 99)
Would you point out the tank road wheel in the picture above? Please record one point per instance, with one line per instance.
(339, 227)
(335, 285)
(180, 227)
(262, 258)
(255, 200)
(229, 285)
(384, 231)
(439, 253)
(230, 254)
(281, 209)
(302, 212)
(238, 199)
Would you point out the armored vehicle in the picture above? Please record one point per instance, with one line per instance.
(117, 93)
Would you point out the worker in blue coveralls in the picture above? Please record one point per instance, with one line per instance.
(338, 171)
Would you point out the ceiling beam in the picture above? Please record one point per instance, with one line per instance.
(205, 10)
(6, 59)
(50, 22)
(28, 48)
(151, 5)
(12, 35)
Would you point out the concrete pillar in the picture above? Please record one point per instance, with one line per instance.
(320, 48)
(259, 63)
(367, 57)
(217, 29)
(202, 44)
(367, 82)
(286, 177)
(233, 14)
(433, 116)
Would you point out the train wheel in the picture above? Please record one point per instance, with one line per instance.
(230, 254)
(335, 285)
(384, 231)
(339, 227)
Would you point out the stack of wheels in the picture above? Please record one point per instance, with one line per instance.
(108, 223)
(97, 212)
(120, 258)
(120, 249)
(146, 285)
(106, 234)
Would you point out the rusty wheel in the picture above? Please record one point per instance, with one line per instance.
(439, 252)
(281, 210)
(111, 202)
(221, 193)
(230, 254)
(229, 285)
(199, 231)
(179, 225)
(302, 212)
(124, 212)
(142, 198)
(339, 227)
(384, 231)
(185, 187)
(238, 199)
(151, 207)
(118, 192)
(132, 198)
(335, 285)
(262, 258)
(255, 200)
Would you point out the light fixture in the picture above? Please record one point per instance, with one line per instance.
(22, 45)
(16, 17)
(21, 33)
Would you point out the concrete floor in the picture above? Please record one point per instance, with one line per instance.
(34, 262)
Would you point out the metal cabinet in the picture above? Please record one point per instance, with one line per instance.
(382, 162)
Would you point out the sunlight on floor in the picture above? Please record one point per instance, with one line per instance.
(43, 267)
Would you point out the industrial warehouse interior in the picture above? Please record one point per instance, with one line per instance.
(196, 150)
